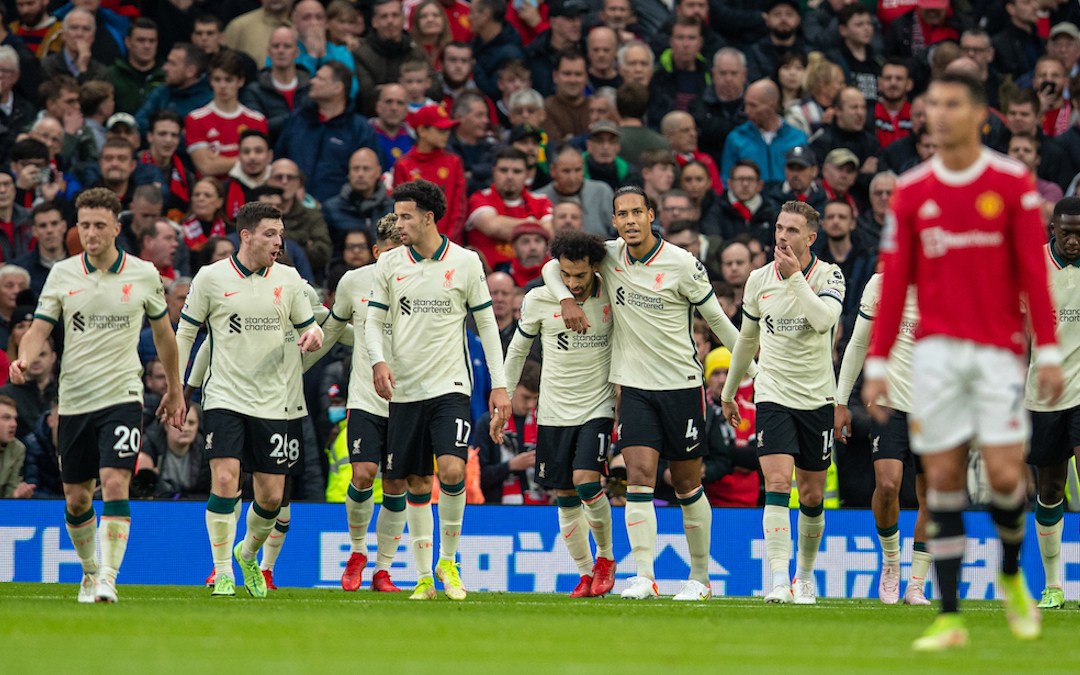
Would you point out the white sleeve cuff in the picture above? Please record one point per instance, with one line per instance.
(874, 368)
(1048, 356)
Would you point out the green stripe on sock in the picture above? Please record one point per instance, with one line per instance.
(776, 499)
(568, 502)
(419, 499)
(117, 508)
(359, 495)
(692, 498)
(220, 504)
(72, 519)
(452, 489)
(811, 511)
(395, 503)
(1049, 515)
(263, 513)
(588, 491)
(887, 531)
(639, 496)
(281, 527)
(919, 547)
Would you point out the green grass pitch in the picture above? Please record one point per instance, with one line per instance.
(173, 629)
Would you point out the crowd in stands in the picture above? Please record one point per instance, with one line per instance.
(529, 114)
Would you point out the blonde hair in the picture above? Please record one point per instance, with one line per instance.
(819, 71)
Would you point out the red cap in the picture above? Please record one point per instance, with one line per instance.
(530, 228)
(934, 4)
(431, 116)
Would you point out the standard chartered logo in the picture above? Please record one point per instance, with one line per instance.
(784, 325)
(81, 322)
(632, 299)
(411, 306)
(238, 324)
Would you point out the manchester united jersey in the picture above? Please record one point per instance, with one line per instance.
(209, 127)
(529, 205)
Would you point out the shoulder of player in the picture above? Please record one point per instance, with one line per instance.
(252, 113)
(456, 253)
(825, 269)
(915, 175)
(278, 271)
(202, 113)
(759, 275)
(136, 266)
(1006, 165)
(538, 296)
(357, 276)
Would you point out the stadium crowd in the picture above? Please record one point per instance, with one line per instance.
(529, 115)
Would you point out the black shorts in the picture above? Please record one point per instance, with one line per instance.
(806, 435)
(296, 437)
(1053, 436)
(670, 422)
(891, 440)
(560, 451)
(367, 437)
(110, 437)
(262, 446)
(418, 432)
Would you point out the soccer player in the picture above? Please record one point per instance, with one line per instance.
(366, 428)
(656, 286)
(249, 305)
(889, 442)
(790, 310)
(102, 297)
(428, 286)
(967, 209)
(577, 404)
(1054, 434)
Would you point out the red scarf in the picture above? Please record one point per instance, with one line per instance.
(743, 210)
(1056, 122)
(523, 275)
(512, 488)
(195, 237)
(830, 194)
(178, 184)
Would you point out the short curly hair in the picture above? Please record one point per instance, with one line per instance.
(99, 198)
(386, 230)
(253, 213)
(427, 195)
(574, 245)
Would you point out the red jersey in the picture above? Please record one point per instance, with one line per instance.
(891, 127)
(208, 127)
(528, 206)
(457, 14)
(445, 170)
(971, 242)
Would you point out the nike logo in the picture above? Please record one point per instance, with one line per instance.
(1046, 534)
(633, 524)
(558, 315)
(221, 544)
(692, 447)
(229, 295)
(618, 270)
(282, 460)
(78, 291)
(363, 300)
(767, 296)
(400, 278)
(125, 455)
(567, 535)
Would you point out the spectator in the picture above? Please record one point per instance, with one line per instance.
(176, 293)
(848, 130)
(344, 23)
(457, 76)
(892, 112)
(146, 207)
(206, 34)
(110, 28)
(501, 287)
(683, 74)
(73, 143)
(251, 170)
(900, 152)
(322, 134)
(682, 134)
(618, 15)
(822, 81)
(676, 205)
(856, 261)
(175, 455)
(281, 87)
(24, 308)
(207, 219)
(1022, 117)
(97, 101)
(303, 225)
(218, 248)
(695, 9)
(789, 77)
(530, 242)
(602, 161)
(513, 77)
(41, 472)
(429, 160)
(31, 75)
(42, 33)
(31, 399)
(976, 45)
(75, 58)
(686, 235)
(186, 86)
(379, 55)
(742, 209)
(600, 48)
(16, 112)
(250, 33)
(695, 182)
(657, 173)
(496, 212)
(731, 475)
(631, 103)
(528, 139)
(495, 43)
(911, 35)
(1025, 148)
(158, 246)
(309, 22)
(213, 131)
(720, 108)
(155, 385)
(567, 110)
(471, 141)
(545, 52)
(822, 26)
(527, 107)
(430, 29)
(856, 54)
(593, 196)
(140, 72)
(12, 454)
(49, 229)
(838, 173)
(173, 175)
(415, 76)
(735, 268)
(765, 137)
(393, 134)
(783, 22)
(506, 470)
(636, 63)
(800, 181)
(567, 216)
(1064, 45)
(15, 222)
(356, 249)
(363, 200)
(117, 166)
(1018, 45)
(872, 220)
(1049, 83)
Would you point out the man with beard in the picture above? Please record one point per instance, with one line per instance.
(848, 130)
(251, 171)
(565, 33)
(117, 166)
(856, 261)
(800, 181)
(494, 213)
(892, 112)
(783, 21)
(379, 55)
(569, 183)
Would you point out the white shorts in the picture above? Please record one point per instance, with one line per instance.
(964, 391)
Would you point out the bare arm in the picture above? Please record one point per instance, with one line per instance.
(172, 405)
(210, 163)
(29, 348)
